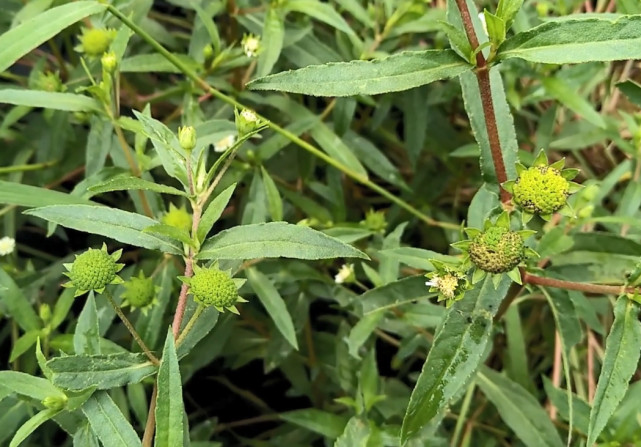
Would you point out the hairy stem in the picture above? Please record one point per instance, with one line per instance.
(485, 88)
(582, 287)
(132, 330)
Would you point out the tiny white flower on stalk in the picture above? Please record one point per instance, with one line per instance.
(345, 274)
(225, 143)
(251, 45)
(249, 115)
(7, 245)
(483, 22)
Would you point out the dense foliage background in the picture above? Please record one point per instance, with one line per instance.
(317, 357)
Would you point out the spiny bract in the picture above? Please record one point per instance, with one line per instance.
(497, 250)
(213, 287)
(541, 190)
(94, 270)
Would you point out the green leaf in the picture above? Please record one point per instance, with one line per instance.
(29, 427)
(108, 422)
(49, 100)
(273, 240)
(622, 349)
(519, 409)
(395, 293)
(566, 95)
(274, 304)
(496, 28)
(391, 74)
(78, 372)
(632, 90)
(171, 154)
(504, 121)
(577, 40)
(272, 40)
(356, 434)
(458, 349)
(126, 182)
(86, 338)
(24, 343)
(362, 331)
(327, 424)
(214, 211)
(559, 398)
(27, 385)
(13, 193)
(113, 223)
(336, 148)
(169, 406)
(274, 202)
(417, 257)
(507, 9)
(321, 11)
(203, 326)
(150, 63)
(179, 234)
(16, 303)
(31, 33)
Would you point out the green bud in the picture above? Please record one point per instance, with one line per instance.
(178, 218)
(208, 51)
(187, 137)
(247, 121)
(95, 41)
(109, 62)
(45, 313)
(140, 292)
(55, 402)
(213, 287)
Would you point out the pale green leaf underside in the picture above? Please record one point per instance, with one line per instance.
(116, 224)
(108, 422)
(12, 193)
(458, 349)
(125, 182)
(79, 372)
(391, 74)
(20, 40)
(274, 240)
(577, 40)
(69, 102)
(520, 410)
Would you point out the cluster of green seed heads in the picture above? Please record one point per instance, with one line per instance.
(94, 270)
(214, 287)
(542, 189)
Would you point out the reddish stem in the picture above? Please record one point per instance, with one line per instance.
(582, 287)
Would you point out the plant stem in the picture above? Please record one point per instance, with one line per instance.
(485, 88)
(131, 329)
(147, 438)
(582, 287)
(191, 74)
(190, 325)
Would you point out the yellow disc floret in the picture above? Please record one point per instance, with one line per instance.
(497, 250)
(541, 190)
(213, 287)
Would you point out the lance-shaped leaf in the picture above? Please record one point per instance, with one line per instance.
(116, 224)
(169, 407)
(108, 422)
(69, 102)
(621, 358)
(79, 372)
(458, 349)
(395, 73)
(577, 40)
(274, 240)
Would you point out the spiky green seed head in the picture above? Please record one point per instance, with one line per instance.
(213, 287)
(541, 190)
(178, 218)
(497, 250)
(140, 292)
(96, 41)
(94, 270)
(49, 82)
(375, 221)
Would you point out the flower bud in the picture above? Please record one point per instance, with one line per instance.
(247, 121)
(55, 402)
(251, 45)
(187, 137)
(109, 62)
(45, 312)
(208, 51)
(95, 41)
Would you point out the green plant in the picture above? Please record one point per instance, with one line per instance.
(383, 173)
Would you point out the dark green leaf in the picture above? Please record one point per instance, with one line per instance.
(108, 422)
(169, 406)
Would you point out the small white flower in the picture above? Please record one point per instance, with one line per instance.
(251, 45)
(7, 245)
(225, 143)
(432, 283)
(249, 115)
(483, 22)
(345, 274)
